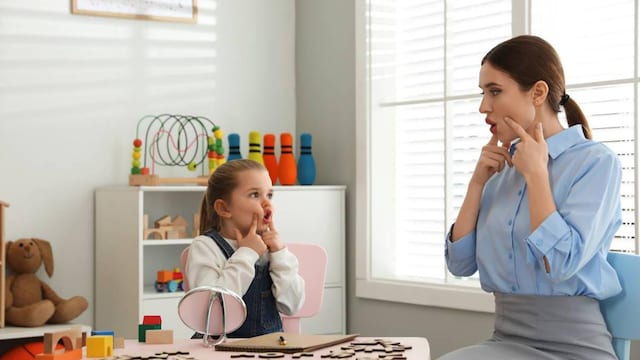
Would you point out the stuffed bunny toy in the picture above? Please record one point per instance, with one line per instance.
(28, 300)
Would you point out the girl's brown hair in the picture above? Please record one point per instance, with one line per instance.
(528, 59)
(220, 185)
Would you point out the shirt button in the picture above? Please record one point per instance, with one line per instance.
(510, 222)
(513, 288)
(519, 192)
(510, 256)
(539, 242)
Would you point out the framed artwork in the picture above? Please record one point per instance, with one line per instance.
(163, 10)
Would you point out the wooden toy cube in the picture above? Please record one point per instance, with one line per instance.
(100, 346)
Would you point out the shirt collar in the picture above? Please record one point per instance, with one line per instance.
(558, 143)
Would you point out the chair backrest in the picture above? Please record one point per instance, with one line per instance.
(183, 266)
(621, 312)
(312, 260)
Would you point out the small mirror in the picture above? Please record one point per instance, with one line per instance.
(212, 311)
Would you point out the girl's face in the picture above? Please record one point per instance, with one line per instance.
(501, 97)
(251, 197)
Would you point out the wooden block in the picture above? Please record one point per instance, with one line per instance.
(142, 331)
(172, 234)
(152, 320)
(159, 337)
(179, 221)
(144, 180)
(164, 276)
(157, 234)
(118, 343)
(163, 221)
(100, 346)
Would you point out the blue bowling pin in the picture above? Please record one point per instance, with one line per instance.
(306, 164)
(234, 147)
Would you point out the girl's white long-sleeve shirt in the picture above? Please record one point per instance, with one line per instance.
(207, 265)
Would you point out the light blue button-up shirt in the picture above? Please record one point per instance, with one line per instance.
(585, 179)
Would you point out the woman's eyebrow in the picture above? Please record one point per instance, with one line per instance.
(489, 84)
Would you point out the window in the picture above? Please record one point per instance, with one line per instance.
(421, 132)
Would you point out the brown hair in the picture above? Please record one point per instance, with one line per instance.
(528, 59)
(220, 185)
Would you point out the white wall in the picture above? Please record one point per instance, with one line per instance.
(326, 79)
(72, 88)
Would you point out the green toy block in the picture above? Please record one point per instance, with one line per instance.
(142, 331)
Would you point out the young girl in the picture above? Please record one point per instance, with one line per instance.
(239, 247)
(539, 215)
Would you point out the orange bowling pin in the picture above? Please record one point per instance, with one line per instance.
(287, 169)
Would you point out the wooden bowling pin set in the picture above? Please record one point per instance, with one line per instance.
(285, 170)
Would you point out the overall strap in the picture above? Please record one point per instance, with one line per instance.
(227, 250)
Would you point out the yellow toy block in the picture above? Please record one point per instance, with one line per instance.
(100, 346)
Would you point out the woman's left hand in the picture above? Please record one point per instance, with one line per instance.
(532, 155)
(271, 238)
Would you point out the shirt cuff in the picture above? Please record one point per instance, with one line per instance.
(462, 248)
(547, 236)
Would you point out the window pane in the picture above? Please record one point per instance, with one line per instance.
(609, 110)
(473, 28)
(595, 39)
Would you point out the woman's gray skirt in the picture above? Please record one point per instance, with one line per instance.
(543, 327)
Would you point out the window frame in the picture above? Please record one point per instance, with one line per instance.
(446, 295)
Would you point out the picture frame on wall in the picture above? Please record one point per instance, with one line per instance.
(161, 10)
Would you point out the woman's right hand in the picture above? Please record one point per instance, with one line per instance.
(492, 160)
(252, 240)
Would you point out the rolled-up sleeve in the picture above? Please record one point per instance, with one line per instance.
(461, 254)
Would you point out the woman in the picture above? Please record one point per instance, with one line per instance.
(541, 210)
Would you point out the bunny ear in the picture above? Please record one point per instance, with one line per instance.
(46, 253)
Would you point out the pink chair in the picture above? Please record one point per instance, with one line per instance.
(312, 261)
(183, 268)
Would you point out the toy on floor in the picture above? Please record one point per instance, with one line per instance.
(29, 300)
(73, 340)
(175, 140)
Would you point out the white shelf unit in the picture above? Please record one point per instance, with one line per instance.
(126, 264)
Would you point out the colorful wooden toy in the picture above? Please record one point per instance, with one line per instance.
(73, 341)
(175, 140)
(169, 280)
(152, 320)
(159, 337)
(234, 147)
(287, 169)
(142, 331)
(165, 228)
(254, 147)
(306, 163)
(99, 346)
(269, 157)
